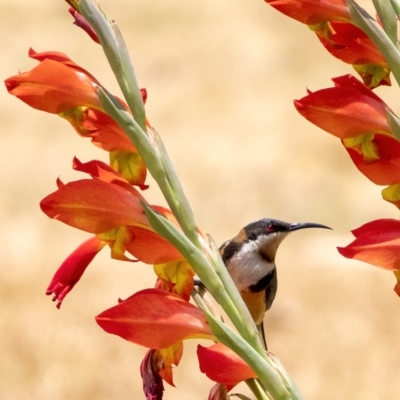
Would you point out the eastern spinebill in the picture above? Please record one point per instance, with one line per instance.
(250, 260)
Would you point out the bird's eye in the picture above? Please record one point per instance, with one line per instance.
(270, 228)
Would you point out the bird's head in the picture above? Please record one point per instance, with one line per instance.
(267, 234)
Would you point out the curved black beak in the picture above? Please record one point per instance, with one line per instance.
(304, 225)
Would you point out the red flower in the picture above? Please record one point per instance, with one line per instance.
(331, 21)
(351, 45)
(155, 319)
(56, 85)
(377, 243)
(111, 208)
(347, 110)
(384, 167)
(222, 365)
(71, 270)
(312, 12)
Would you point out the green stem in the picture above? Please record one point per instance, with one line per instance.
(255, 387)
(117, 55)
(365, 22)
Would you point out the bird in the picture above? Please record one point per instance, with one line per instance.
(250, 260)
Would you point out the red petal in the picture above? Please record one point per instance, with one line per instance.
(81, 22)
(103, 130)
(150, 248)
(222, 365)
(154, 319)
(385, 170)
(95, 206)
(377, 243)
(350, 44)
(312, 12)
(71, 270)
(53, 87)
(344, 111)
(63, 59)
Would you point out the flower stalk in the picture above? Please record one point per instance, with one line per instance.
(149, 145)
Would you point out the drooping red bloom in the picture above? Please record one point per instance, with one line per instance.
(71, 270)
(347, 110)
(377, 243)
(54, 86)
(111, 208)
(222, 365)
(384, 167)
(331, 21)
(60, 86)
(155, 319)
(351, 45)
(312, 12)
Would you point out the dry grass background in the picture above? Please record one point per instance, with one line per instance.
(221, 78)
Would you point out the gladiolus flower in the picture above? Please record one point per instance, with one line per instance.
(222, 365)
(112, 209)
(331, 21)
(378, 158)
(377, 243)
(312, 12)
(155, 319)
(54, 86)
(351, 45)
(347, 110)
(71, 270)
(60, 86)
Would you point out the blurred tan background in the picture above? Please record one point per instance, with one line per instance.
(221, 77)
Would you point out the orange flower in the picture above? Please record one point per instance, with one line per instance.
(222, 365)
(60, 86)
(347, 110)
(383, 168)
(111, 208)
(312, 12)
(155, 319)
(71, 270)
(377, 243)
(56, 85)
(331, 21)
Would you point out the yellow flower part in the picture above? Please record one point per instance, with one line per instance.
(130, 165)
(170, 356)
(178, 273)
(392, 194)
(117, 239)
(363, 145)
